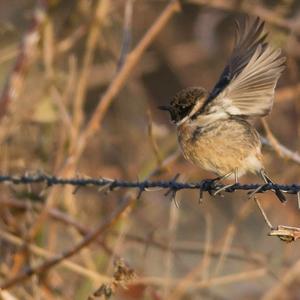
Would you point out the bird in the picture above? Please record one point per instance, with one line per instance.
(213, 127)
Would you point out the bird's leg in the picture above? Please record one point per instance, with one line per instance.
(263, 175)
(267, 180)
(213, 182)
(256, 191)
(220, 178)
(228, 185)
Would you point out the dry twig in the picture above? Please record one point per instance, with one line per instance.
(26, 53)
(119, 81)
(251, 8)
(280, 290)
(177, 248)
(281, 150)
(88, 239)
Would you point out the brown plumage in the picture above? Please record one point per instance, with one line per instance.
(213, 131)
(207, 147)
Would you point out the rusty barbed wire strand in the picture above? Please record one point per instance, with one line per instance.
(206, 185)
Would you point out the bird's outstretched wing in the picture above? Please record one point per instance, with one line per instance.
(246, 86)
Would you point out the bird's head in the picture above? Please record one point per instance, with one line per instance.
(185, 103)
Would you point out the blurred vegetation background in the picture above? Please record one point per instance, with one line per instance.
(59, 60)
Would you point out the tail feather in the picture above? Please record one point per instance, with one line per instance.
(278, 193)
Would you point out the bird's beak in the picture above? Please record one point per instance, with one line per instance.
(164, 107)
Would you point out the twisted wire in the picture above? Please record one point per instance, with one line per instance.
(206, 185)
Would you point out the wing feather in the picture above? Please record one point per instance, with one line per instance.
(247, 84)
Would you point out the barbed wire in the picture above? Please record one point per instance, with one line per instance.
(206, 185)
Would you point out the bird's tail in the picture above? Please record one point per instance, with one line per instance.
(267, 179)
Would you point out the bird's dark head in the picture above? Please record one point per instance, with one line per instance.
(185, 103)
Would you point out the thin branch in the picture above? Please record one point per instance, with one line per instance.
(268, 222)
(280, 150)
(105, 279)
(90, 47)
(88, 239)
(182, 287)
(69, 42)
(230, 233)
(281, 289)
(285, 233)
(284, 151)
(178, 248)
(15, 240)
(104, 102)
(211, 282)
(120, 79)
(251, 8)
(152, 139)
(287, 93)
(127, 34)
(25, 56)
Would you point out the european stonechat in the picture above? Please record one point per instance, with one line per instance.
(213, 131)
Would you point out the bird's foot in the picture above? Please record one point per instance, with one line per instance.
(208, 185)
(257, 190)
(277, 191)
(223, 188)
(213, 190)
